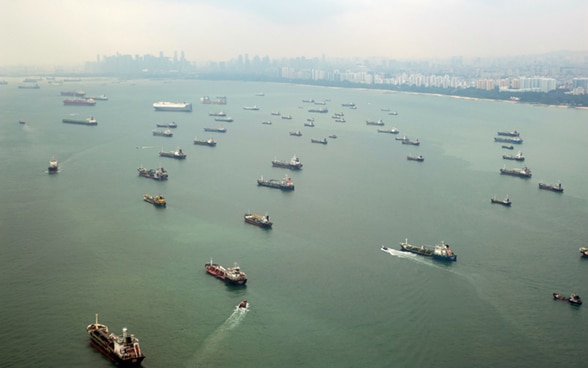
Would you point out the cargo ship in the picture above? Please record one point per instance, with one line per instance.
(157, 201)
(443, 253)
(322, 110)
(293, 164)
(515, 140)
(79, 102)
(99, 97)
(226, 119)
(221, 100)
(252, 108)
(418, 158)
(379, 122)
(231, 275)
(321, 141)
(216, 129)
(258, 220)
(505, 202)
(123, 350)
(296, 133)
(87, 121)
(284, 184)
(163, 133)
(389, 131)
(525, 172)
(518, 157)
(173, 154)
(348, 104)
(156, 174)
(173, 106)
(167, 125)
(421, 251)
(512, 133)
(408, 141)
(554, 188)
(208, 142)
(53, 166)
(220, 113)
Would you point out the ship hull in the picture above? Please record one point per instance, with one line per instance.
(274, 185)
(80, 122)
(416, 250)
(256, 222)
(169, 106)
(102, 346)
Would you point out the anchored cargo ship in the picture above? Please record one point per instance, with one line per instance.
(172, 106)
(157, 201)
(284, 184)
(221, 100)
(88, 121)
(156, 174)
(293, 164)
(525, 172)
(208, 142)
(554, 188)
(163, 133)
(512, 133)
(518, 157)
(217, 130)
(258, 220)
(173, 154)
(123, 350)
(515, 140)
(79, 102)
(231, 275)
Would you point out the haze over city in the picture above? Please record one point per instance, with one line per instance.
(70, 32)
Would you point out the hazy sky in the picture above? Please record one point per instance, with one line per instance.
(64, 32)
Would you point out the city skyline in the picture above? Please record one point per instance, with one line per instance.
(69, 32)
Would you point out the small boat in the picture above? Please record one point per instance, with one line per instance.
(297, 133)
(123, 350)
(243, 304)
(163, 133)
(157, 201)
(53, 166)
(210, 142)
(22, 122)
(419, 158)
(230, 275)
(443, 253)
(321, 141)
(518, 157)
(573, 299)
(258, 220)
(509, 147)
(554, 188)
(421, 251)
(584, 252)
(505, 202)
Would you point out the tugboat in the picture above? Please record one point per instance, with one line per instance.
(163, 133)
(173, 154)
(505, 202)
(232, 276)
(443, 253)
(419, 158)
(122, 350)
(321, 141)
(284, 184)
(554, 188)
(518, 157)
(53, 166)
(293, 164)
(584, 252)
(525, 172)
(209, 142)
(421, 251)
(573, 299)
(258, 220)
(157, 201)
(156, 174)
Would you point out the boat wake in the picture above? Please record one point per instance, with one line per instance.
(213, 346)
(399, 253)
(418, 259)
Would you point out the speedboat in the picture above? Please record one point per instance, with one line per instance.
(243, 304)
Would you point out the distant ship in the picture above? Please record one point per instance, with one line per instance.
(167, 125)
(276, 113)
(505, 202)
(297, 133)
(88, 121)
(509, 147)
(53, 166)
(226, 119)
(408, 141)
(208, 142)
(518, 157)
(221, 100)
(525, 172)
(157, 201)
(554, 188)
(370, 122)
(123, 350)
(284, 184)
(73, 93)
(79, 102)
(443, 253)
(172, 106)
(512, 133)
(309, 124)
(293, 164)
(254, 108)
(216, 129)
(29, 86)
(321, 141)
(163, 133)
(156, 174)
(173, 154)
(348, 104)
(220, 113)
(415, 158)
(389, 131)
(258, 220)
(515, 140)
(99, 97)
(323, 110)
(287, 117)
(232, 276)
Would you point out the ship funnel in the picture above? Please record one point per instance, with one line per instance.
(124, 332)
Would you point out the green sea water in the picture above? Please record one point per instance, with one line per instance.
(321, 292)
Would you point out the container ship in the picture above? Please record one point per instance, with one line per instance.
(230, 275)
(88, 121)
(123, 350)
(284, 184)
(293, 164)
(79, 102)
(525, 172)
(173, 106)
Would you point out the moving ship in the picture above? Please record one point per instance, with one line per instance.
(53, 166)
(87, 121)
(573, 299)
(258, 220)
(421, 251)
(284, 184)
(554, 188)
(443, 253)
(178, 153)
(172, 106)
(232, 276)
(123, 350)
(156, 174)
(525, 172)
(293, 164)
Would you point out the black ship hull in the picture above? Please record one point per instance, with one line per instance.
(99, 340)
